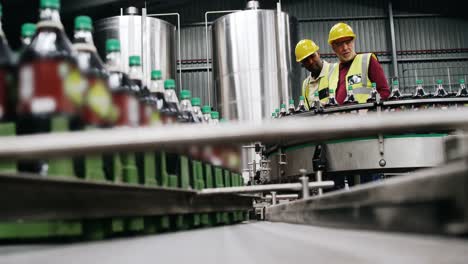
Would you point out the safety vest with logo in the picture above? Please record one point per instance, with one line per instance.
(322, 86)
(357, 77)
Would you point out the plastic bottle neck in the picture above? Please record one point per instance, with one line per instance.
(171, 96)
(49, 17)
(135, 72)
(113, 61)
(26, 41)
(156, 86)
(186, 105)
(83, 36)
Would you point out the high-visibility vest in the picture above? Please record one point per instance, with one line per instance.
(357, 77)
(322, 87)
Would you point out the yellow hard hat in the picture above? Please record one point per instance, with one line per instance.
(340, 30)
(305, 48)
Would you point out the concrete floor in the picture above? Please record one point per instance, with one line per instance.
(256, 242)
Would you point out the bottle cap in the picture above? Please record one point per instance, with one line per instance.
(169, 84)
(28, 30)
(301, 97)
(84, 23)
(206, 109)
(283, 105)
(134, 60)
(395, 82)
(439, 81)
(332, 91)
(350, 88)
(277, 110)
(156, 75)
(55, 4)
(112, 45)
(419, 82)
(291, 101)
(316, 94)
(374, 85)
(185, 94)
(214, 115)
(461, 81)
(196, 101)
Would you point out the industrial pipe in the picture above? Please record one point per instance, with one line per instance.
(267, 188)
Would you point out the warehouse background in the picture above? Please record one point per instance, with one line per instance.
(431, 39)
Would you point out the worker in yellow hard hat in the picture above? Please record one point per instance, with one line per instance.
(307, 53)
(356, 70)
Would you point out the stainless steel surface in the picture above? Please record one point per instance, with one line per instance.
(393, 40)
(282, 196)
(273, 198)
(158, 47)
(404, 152)
(179, 60)
(267, 188)
(252, 243)
(250, 77)
(427, 201)
(318, 178)
(31, 197)
(268, 132)
(304, 182)
(209, 88)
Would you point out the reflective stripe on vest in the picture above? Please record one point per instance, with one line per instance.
(324, 91)
(357, 76)
(323, 84)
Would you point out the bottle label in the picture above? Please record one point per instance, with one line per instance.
(51, 85)
(126, 109)
(98, 103)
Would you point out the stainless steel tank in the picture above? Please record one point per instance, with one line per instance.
(253, 66)
(253, 62)
(156, 46)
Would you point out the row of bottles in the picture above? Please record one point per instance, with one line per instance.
(54, 85)
(350, 99)
(60, 86)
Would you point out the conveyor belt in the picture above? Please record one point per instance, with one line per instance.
(260, 242)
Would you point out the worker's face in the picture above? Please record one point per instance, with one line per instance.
(344, 49)
(313, 63)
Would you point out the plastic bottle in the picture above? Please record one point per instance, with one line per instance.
(331, 99)
(316, 105)
(186, 110)
(135, 74)
(291, 107)
(419, 92)
(170, 111)
(301, 106)
(214, 117)
(196, 110)
(349, 100)
(27, 32)
(283, 112)
(50, 87)
(395, 94)
(462, 92)
(120, 85)
(440, 91)
(373, 95)
(97, 109)
(206, 110)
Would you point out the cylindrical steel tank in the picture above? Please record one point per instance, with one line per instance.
(156, 46)
(253, 62)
